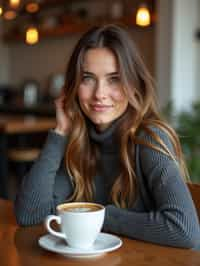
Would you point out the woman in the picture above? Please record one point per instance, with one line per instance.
(110, 146)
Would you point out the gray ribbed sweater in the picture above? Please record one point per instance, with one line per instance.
(163, 212)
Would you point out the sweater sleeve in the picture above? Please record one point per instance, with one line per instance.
(45, 186)
(173, 221)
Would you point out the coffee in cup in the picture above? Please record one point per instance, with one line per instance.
(80, 223)
(80, 207)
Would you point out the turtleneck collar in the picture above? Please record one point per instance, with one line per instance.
(107, 139)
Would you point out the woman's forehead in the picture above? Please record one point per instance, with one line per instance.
(100, 58)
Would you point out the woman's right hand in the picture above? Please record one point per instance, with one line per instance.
(63, 121)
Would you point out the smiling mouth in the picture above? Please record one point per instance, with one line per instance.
(100, 107)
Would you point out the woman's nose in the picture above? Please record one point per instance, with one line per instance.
(100, 91)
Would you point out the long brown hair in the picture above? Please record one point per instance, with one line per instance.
(141, 114)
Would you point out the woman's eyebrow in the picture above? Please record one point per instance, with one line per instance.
(88, 73)
(113, 74)
(108, 74)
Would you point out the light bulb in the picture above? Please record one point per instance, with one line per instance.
(1, 10)
(9, 14)
(32, 35)
(143, 17)
(14, 3)
(32, 7)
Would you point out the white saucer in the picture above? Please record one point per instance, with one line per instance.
(104, 243)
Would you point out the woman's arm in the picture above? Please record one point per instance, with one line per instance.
(173, 221)
(37, 195)
(47, 184)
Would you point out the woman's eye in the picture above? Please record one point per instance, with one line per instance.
(114, 80)
(87, 79)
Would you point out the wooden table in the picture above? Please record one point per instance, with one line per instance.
(26, 124)
(19, 247)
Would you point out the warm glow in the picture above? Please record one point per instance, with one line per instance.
(32, 7)
(1, 10)
(32, 35)
(143, 17)
(9, 15)
(14, 3)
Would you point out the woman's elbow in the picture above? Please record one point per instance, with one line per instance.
(30, 216)
(190, 239)
(193, 241)
(27, 218)
(25, 221)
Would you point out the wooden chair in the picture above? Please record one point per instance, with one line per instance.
(3, 165)
(23, 155)
(195, 192)
(22, 158)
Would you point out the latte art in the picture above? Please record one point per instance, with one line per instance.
(81, 209)
(77, 207)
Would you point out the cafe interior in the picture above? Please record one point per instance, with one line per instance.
(36, 38)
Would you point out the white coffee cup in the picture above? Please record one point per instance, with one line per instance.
(80, 223)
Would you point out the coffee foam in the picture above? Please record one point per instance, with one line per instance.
(79, 207)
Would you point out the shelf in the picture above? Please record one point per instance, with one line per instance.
(71, 28)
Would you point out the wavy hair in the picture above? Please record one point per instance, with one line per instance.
(81, 155)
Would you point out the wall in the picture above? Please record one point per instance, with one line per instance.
(178, 52)
(198, 57)
(163, 50)
(5, 61)
(39, 61)
(184, 53)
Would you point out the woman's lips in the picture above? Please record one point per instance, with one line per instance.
(100, 107)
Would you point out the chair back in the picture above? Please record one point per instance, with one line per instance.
(3, 163)
(195, 192)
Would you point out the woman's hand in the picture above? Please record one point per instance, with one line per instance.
(63, 121)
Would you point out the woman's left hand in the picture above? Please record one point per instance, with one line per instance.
(63, 121)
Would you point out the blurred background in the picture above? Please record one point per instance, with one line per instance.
(36, 40)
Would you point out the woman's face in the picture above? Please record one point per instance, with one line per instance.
(100, 93)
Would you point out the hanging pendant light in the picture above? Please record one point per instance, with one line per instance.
(32, 35)
(1, 10)
(143, 17)
(9, 14)
(32, 7)
(14, 3)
